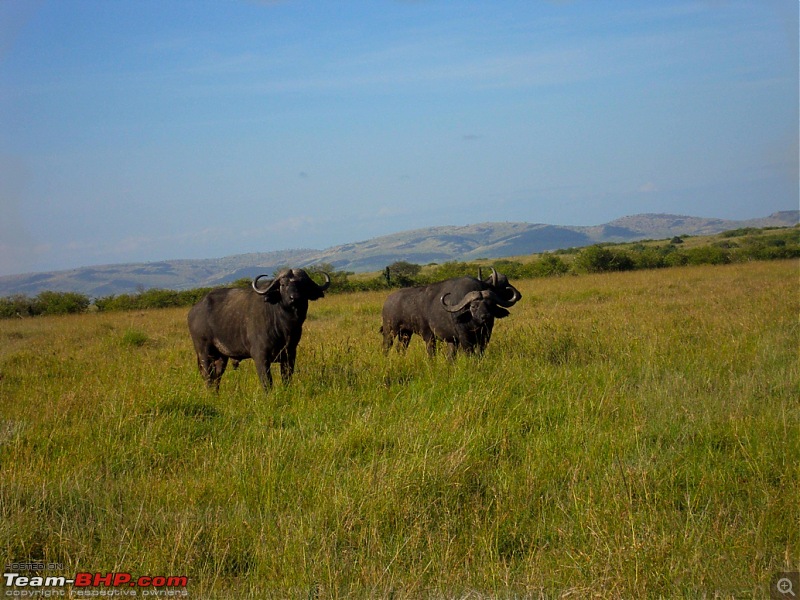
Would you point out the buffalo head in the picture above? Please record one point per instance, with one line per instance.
(292, 287)
(499, 284)
(479, 306)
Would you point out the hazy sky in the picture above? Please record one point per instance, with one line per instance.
(156, 129)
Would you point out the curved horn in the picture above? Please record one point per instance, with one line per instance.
(480, 274)
(490, 295)
(266, 289)
(327, 283)
(516, 297)
(454, 308)
(494, 278)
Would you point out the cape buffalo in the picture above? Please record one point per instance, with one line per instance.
(262, 323)
(459, 311)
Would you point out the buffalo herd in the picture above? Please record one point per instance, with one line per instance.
(265, 323)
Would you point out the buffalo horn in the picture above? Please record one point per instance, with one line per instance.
(327, 283)
(267, 289)
(490, 295)
(454, 308)
(494, 278)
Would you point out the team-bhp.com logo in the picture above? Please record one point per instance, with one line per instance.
(94, 585)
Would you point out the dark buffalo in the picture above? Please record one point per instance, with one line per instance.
(264, 324)
(460, 312)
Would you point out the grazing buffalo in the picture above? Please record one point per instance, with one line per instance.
(262, 323)
(460, 312)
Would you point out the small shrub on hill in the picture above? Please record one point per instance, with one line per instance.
(46, 303)
(155, 298)
(453, 269)
(651, 257)
(61, 303)
(402, 273)
(548, 265)
(739, 232)
(599, 259)
(707, 255)
(17, 305)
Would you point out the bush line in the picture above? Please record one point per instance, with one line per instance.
(740, 245)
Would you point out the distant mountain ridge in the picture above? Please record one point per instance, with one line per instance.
(423, 246)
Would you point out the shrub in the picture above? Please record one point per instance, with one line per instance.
(155, 298)
(650, 258)
(738, 232)
(402, 273)
(707, 255)
(548, 265)
(676, 259)
(61, 303)
(513, 269)
(17, 305)
(599, 259)
(134, 338)
(452, 269)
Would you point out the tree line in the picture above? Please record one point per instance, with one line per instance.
(738, 245)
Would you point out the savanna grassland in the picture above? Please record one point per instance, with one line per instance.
(626, 435)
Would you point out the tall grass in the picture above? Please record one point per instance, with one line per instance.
(625, 435)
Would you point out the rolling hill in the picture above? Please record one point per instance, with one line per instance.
(423, 246)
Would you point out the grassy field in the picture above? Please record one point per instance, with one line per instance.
(626, 435)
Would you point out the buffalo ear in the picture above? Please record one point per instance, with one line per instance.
(463, 316)
(273, 296)
(499, 312)
(312, 291)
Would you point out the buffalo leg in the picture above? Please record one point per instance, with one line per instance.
(211, 368)
(205, 365)
(288, 357)
(430, 343)
(264, 373)
(483, 339)
(219, 368)
(388, 339)
(403, 339)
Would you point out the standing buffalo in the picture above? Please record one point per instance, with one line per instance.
(264, 324)
(460, 312)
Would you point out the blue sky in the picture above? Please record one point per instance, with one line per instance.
(160, 129)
